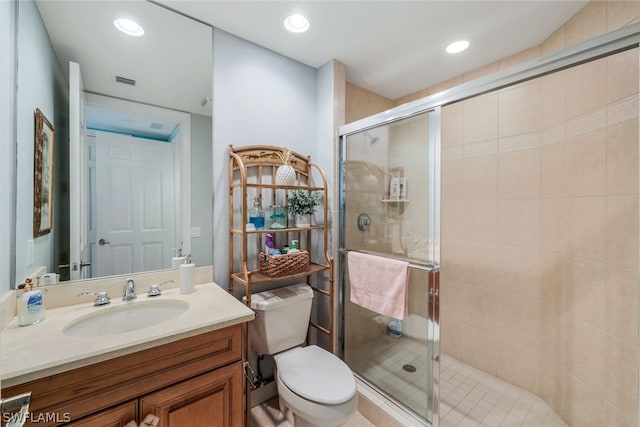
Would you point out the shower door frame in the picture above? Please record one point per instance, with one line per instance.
(607, 44)
(433, 246)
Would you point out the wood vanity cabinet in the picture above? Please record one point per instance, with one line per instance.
(206, 400)
(195, 382)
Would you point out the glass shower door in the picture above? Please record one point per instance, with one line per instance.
(390, 208)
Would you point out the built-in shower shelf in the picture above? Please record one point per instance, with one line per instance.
(394, 201)
(257, 277)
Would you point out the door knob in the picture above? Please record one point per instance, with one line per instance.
(103, 242)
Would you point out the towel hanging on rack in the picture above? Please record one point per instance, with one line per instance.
(379, 284)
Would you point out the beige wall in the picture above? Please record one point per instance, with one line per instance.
(362, 103)
(540, 238)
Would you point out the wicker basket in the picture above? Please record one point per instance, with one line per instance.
(284, 265)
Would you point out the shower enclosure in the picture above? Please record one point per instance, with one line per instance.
(389, 186)
(538, 170)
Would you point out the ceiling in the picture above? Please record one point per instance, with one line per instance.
(166, 73)
(393, 48)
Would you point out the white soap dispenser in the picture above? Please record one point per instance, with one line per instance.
(187, 276)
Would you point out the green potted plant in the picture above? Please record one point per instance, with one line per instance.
(302, 204)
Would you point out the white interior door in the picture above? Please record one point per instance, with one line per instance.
(78, 252)
(135, 196)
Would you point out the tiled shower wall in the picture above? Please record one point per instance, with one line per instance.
(540, 238)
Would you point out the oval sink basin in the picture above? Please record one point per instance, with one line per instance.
(125, 318)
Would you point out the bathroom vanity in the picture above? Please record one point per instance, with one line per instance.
(187, 370)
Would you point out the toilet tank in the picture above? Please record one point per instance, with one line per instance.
(282, 318)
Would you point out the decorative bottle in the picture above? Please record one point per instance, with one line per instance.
(269, 245)
(256, 214)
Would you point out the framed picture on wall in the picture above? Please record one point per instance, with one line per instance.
(42, 175)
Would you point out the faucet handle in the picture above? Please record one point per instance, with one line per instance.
(154, 290)
(101, 297)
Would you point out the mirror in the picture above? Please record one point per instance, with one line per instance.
(152, 91)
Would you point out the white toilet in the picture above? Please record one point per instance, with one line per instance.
(316, 388)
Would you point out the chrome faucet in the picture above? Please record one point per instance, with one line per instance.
(129, 293)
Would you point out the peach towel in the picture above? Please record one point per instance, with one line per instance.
(379, 284)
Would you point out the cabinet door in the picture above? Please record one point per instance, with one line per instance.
(117, 416)
(213, 399)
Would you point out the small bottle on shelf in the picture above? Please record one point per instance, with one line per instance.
(256, 215)
(293, 247)
(269, 245)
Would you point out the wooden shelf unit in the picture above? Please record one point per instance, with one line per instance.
(252, 173)
(257, 278)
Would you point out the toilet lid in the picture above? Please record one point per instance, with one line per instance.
(316, 375)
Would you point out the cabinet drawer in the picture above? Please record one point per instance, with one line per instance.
(113, 417)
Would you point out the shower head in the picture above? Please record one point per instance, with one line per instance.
(373, 140)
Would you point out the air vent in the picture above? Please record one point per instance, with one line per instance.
(156, 126)
(125, 81)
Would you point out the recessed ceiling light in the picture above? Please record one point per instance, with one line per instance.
(129, 27)
(458, 46)
(296, 23)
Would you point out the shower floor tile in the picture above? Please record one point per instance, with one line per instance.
(469, 397)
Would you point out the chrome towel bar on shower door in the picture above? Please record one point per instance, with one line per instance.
(417, 266)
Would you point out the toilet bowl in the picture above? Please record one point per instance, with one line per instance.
(316, 388)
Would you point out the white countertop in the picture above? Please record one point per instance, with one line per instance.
(36, 351)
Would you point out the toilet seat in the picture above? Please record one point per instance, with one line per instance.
(316, 375)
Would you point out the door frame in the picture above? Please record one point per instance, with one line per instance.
(77, 173)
